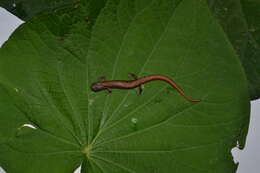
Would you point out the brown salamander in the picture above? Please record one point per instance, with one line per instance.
(137, 82)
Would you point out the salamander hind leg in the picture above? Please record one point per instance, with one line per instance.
(133, 76)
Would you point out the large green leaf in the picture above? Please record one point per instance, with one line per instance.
(47, 76)
(240, 21)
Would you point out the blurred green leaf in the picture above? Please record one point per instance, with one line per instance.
(26, 9)
(251, 9)
(251, 61)
(240, 21)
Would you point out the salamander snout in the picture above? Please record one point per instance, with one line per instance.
(97, 86)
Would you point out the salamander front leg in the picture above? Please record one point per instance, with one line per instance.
(102, 78)
(133, 76)
(109, 91)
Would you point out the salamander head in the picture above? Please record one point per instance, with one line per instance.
(98, 86)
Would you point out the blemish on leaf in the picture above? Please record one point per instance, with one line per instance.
(27, 125)
(134, 123)
(134, 120)
(252, 30)
(87, 20)
(76, 6)
(90, 102)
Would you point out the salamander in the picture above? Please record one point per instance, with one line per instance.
(137, 82)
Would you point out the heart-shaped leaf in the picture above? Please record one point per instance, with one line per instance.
(48, 81)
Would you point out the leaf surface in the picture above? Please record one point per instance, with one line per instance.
(42, 52)
(158, 131)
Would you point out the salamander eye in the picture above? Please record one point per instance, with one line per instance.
(97, 86)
